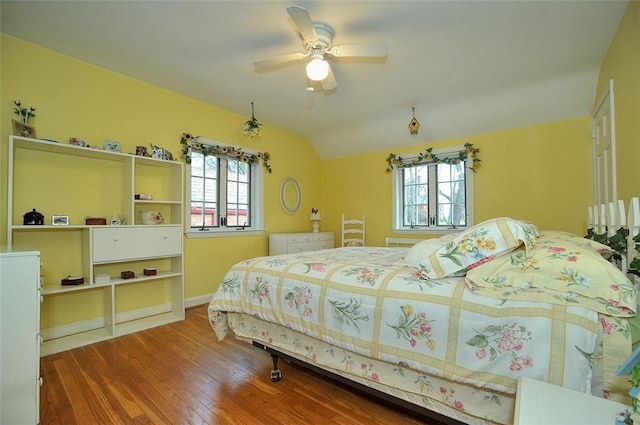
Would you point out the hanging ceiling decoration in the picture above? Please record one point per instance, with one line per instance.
(414, 125)
(252, 126)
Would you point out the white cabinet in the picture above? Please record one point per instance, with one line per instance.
(19, 336)
(287, 243)
(99, 183)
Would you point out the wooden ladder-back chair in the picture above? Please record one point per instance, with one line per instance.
(353, 232)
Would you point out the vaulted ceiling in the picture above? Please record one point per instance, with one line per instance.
(467, 67)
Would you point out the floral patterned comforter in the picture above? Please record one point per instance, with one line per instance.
(363, 299)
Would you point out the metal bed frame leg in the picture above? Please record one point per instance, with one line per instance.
(275, 373)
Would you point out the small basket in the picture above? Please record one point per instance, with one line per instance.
(151, 217)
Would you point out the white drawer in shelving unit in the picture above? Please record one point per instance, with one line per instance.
(129, 243)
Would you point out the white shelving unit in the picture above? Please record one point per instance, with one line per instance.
(115, 179)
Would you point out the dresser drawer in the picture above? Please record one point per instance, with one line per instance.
(325, 236)
(301, 238)
(127, 243)
(300, 247)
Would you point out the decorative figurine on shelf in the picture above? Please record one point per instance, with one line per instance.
(33, 217)
(315, 217)
(160, 153)
(117, 219)
(631, 366)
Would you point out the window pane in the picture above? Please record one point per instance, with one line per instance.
(416, 196)
(451, 195)
(211, 166)
(197, 188)
(238, 193)
(243, 171)
(203, 215)
(204, 190)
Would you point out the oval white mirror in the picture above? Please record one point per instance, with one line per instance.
(290, 195)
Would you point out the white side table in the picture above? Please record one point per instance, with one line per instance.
(540, 403)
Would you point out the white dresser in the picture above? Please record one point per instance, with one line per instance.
(19, 336)
(288, 243)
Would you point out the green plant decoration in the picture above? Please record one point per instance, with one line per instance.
(189, 142)
(428, 156)
(252, 127)
(25, 114)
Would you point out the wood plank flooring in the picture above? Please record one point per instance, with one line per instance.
(179, 374)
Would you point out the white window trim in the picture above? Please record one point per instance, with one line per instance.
(257, 200)
(396, 190)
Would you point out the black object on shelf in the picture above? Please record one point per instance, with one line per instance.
(33, 218)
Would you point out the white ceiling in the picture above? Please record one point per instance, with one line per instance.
(467, 67)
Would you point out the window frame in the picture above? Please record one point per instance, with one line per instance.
(256, 190)
(397, 192)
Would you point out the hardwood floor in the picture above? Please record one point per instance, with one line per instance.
(179, 374)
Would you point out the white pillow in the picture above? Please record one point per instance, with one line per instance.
(422, 250)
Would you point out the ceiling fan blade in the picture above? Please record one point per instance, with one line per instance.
(359, 49)
(330, 82)
(302, 20)
(280, 60)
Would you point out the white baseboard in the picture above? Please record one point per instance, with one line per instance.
(195, 301)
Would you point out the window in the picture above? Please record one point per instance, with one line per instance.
(224, 195)
(433, 196)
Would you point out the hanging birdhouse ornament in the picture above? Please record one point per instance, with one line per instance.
(252, 126)
(414, 125)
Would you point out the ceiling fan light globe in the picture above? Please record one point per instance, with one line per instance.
(317, 69)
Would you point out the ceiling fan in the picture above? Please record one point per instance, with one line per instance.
(317, 39)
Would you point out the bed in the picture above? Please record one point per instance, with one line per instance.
(447, 326)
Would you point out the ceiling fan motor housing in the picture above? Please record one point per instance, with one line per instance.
(325, 35)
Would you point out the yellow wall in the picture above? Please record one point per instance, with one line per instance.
(77, 99)
(540, 173)
(622, 63)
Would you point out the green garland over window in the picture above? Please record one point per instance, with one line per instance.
(428, 156)
(191, 142)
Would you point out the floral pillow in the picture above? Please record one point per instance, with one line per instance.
(476, 245)
(559, 270)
